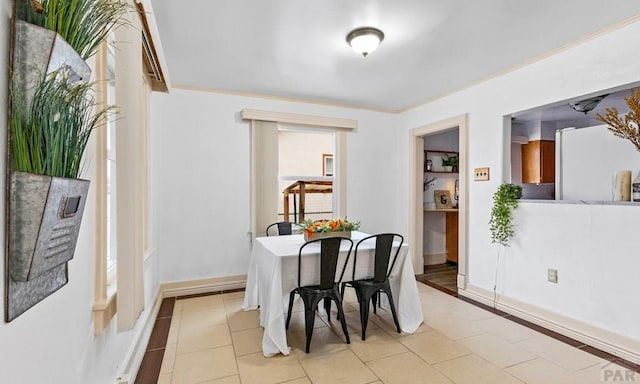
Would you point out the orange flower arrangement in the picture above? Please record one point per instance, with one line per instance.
(322, 226)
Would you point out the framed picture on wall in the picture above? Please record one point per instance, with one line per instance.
(442, 198)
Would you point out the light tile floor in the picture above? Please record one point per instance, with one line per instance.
(213, 341)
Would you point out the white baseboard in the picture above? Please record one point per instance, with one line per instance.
(138, 347)
(193, 287)
(462, 281)
(613, 343)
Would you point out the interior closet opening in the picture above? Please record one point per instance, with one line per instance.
(441, 195)
(417, 193)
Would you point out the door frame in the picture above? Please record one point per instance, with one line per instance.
(416, 200)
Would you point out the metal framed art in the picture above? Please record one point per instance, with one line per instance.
(442, 198)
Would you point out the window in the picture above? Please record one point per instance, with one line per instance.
(106, 227)
(264, 167)
(552, 149)
(298, 153)
(109, 182)
(121, 180)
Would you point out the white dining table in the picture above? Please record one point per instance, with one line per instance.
(273, 273)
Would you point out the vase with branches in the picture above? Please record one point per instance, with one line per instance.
(627, 126)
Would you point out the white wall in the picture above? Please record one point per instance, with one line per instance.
(53, 342)
(593, 249)
(202, 164)
(202, 153)
(591, 246)
(200, 194)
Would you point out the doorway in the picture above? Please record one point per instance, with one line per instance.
(429, 201)
(440, 204)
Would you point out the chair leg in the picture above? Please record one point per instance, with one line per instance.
(342, 320)
(343, 286)
(393, 309)
(364, 313)
(327, 307)
(292, 296)
(310, 306)
(375, 300)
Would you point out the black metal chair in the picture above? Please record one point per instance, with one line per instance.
(327, 289)
(368, 289)
(282, 228)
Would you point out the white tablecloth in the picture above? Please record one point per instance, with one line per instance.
(273, 271)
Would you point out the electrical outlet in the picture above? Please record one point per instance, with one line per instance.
(552, 275)
(481, 174)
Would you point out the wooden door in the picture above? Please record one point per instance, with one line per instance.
(539, 161)
(451, 236)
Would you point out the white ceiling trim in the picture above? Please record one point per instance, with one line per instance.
(281, 98)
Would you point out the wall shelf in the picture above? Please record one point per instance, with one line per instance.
(433, 161)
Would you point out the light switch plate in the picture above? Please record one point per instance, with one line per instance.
(552, 275)
(481, 174)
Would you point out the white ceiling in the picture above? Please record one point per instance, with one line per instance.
(297, 49)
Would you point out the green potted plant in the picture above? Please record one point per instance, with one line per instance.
(450, 163)
(54, 33)
(52, 114)
(83, 24)
(505, 200)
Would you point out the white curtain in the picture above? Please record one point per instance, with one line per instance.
(264, 176)
(130, 173)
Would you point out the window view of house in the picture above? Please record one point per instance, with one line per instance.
(306, 156)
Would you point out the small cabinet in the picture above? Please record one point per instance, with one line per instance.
(451, 236)
(539, 161)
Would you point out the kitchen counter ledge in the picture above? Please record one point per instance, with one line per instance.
(584, 202)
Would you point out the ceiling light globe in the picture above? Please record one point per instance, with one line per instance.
(365, 40)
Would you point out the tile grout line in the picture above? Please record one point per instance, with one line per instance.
(554, 335)
(233, 347)
(547, 332)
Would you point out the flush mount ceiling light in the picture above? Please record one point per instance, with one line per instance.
(365, 40)
(586, 105)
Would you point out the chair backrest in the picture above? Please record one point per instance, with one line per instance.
(329, 253)
(283, 228)
(383, 258)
